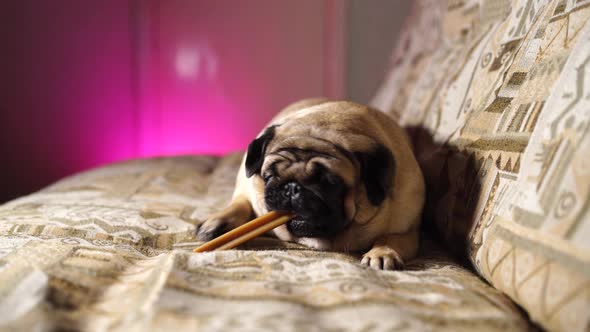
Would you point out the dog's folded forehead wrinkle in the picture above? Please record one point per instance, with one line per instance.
(297, 154)
(344, 140)
(282, 167)
(272, 161)
(302, 144)
(288, 155)
(306, 166)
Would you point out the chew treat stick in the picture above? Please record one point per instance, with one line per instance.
(255, 232)
(246, 232)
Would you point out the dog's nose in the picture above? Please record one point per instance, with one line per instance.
(292, 190)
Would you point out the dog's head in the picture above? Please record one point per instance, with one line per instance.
(319, 180)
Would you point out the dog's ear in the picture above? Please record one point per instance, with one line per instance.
(256, 150)
(377, 172)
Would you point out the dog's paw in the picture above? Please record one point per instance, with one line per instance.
(383, 258)
(211, 228)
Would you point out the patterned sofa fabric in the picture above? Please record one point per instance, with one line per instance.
(111, 249)
(498, 95)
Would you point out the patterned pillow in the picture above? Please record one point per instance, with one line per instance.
(498, 94)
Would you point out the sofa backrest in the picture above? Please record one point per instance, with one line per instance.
(497, 93)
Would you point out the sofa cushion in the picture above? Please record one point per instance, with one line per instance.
(498, 97)
(111, 249)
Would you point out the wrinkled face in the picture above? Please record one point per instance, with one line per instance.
(318, 181)
(301, 182)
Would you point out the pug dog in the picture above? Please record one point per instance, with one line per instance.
(346, 171)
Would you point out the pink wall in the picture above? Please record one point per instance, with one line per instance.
(90, 82)
(65, 97)
(224, 68)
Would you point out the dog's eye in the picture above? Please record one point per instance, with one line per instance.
(266, 177)
(331, 179)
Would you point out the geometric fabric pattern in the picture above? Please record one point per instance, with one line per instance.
(497, 94)
(111, 250)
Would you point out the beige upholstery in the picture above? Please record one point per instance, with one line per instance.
(503, 87)
(110, 249)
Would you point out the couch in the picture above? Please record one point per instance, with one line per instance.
(496, 96)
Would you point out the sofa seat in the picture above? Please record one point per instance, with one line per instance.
(111, 249)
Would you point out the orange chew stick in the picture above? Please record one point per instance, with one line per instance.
(246, 232)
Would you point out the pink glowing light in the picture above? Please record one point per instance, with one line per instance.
(191, 63)
(213, 77)
(94, 82)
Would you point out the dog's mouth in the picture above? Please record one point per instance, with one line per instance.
(301, 226)
(317, 213)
